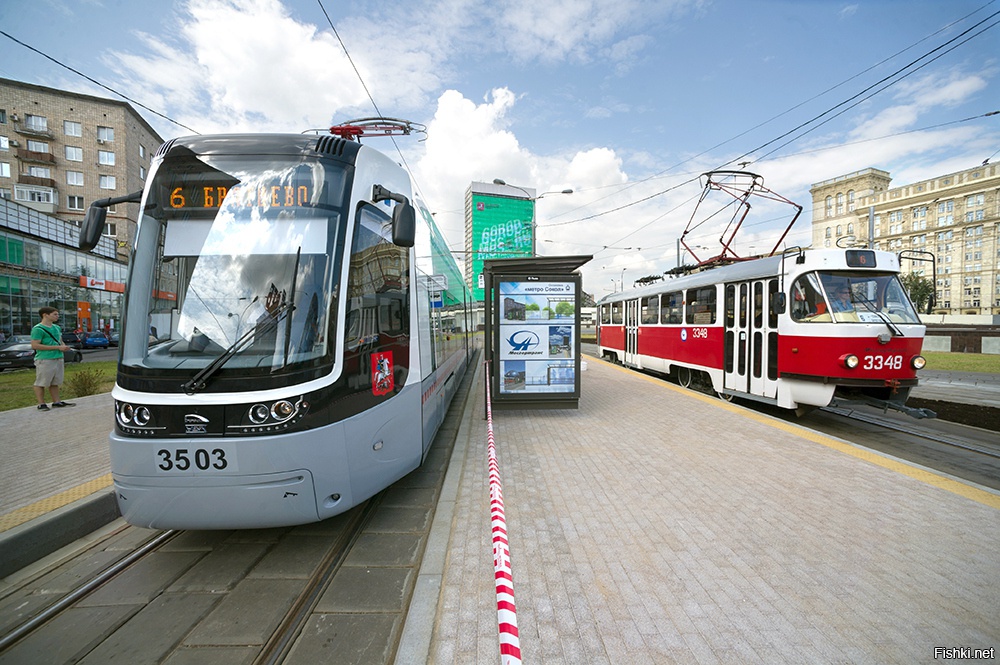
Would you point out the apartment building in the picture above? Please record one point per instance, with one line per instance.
(955, 218)
(59, 151)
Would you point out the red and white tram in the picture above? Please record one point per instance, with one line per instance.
(798, 330)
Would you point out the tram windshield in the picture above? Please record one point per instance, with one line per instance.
(232, 266)
(851, 297)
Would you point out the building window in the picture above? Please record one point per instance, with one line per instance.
(829, 206)
(850, 229)
(142, 172)
(829, 232)
(40, 171)
(840, 230)
(33, 194)
(111, 229)
(142, 151)
(840, 204)
(74, 202)
(105, 157)
(5, 194)
(4, 143)
(3, 116)
(4, 170)
(74, 154)
(38, 146)
(37, 123)
(71, 128)
(105, 134)
(74, 178)
(850, 200)
(108, 182)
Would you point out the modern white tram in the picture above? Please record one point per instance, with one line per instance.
(294, 330)
(798, 330)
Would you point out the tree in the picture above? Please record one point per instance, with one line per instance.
(920, 289)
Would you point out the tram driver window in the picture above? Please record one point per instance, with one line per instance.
(807, 300)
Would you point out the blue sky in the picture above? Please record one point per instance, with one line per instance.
(623, 101)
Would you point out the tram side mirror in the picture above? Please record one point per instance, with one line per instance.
(404, 225)
(93, 227)
(778, 303)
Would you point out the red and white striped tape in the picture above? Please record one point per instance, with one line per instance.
(510, 643)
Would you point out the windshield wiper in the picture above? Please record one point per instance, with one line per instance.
(893, 328)
(200, 380)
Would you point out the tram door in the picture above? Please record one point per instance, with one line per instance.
(751, 341)
(632, 333)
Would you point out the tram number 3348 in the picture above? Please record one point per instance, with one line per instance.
(883, 362)
(183, 459)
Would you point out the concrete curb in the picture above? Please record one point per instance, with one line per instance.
(33, 540)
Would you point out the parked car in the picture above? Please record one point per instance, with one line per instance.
(73, 340)
(95, 340)
(113, 339)
(17, 353)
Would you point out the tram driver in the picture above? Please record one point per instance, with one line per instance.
(840, 298)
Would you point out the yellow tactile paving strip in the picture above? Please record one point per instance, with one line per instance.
(941, 482)
(38, 508)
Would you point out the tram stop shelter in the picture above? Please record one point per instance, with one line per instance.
(533, 331)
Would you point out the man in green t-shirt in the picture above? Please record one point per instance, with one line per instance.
(46, 340)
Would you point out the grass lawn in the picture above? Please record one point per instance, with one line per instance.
(16, 385)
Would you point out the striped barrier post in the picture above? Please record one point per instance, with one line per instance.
(510, 643)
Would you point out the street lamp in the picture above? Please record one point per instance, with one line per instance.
(498, 181)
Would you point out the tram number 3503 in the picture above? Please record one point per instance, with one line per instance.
(183, 459)
(883, 362)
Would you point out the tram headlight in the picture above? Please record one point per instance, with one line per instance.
(267, 416)
(259, 413)
(133, 415)
(142, 416)
(282, 409)
(918, 362)
(849, 360)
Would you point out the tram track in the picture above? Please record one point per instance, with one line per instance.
(955, 442)
(42, 624)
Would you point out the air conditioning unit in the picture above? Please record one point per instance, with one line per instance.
(100, 141)
(14, 117)
(14, 143)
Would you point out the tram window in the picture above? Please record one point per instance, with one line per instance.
(650, 308)
(616, 313)
(378, 288)
(605, 314)
(807, 302)
(758, 306)
(701, 306)
(772, 296)
(671, 306)
(730, 308)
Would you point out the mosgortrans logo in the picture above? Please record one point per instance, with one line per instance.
(524, 343)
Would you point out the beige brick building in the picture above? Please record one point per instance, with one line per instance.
(59, 151)
(955, 217)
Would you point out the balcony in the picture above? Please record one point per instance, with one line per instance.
(25, 130)
(26, 155)
(25, 179)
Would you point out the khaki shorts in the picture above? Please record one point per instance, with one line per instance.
(48, 372)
